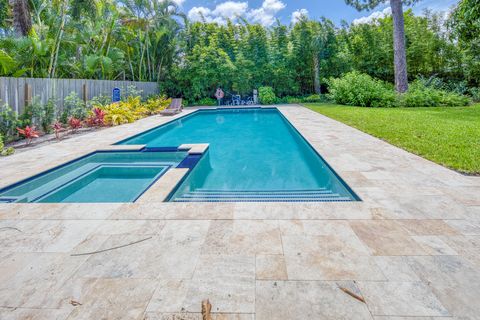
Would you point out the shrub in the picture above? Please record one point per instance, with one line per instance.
(206, 102)
(73, 106)
(314, 98)
(99, 101)
(5, 151)
(47, 115)
(8, 122)
(32, 113)
(266, 95)
(475, 93)
(419, 95)
(57, 128)
(358, 89)
(119, 113)
(289, 99)
(156, 104)
(96, 118)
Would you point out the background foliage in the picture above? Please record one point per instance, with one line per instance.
(146, 40)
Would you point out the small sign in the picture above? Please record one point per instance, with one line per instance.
(116, 95)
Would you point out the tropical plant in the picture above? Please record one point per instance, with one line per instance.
(29, 133)
(57, 128)
(156, 104)
(96, 118)
(119, 113)
(8, 122)
(74, 124)
(5, 151)
(47, 115)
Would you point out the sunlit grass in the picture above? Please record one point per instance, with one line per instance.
(448, 136)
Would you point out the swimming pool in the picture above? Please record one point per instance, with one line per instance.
(254, 155)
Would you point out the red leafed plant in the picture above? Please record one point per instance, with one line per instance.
(28, 133)
(57, 128)
(74, 123)
(97, 118)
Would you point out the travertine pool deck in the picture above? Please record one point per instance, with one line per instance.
(411, 248)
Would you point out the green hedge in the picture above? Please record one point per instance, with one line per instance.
(358, 89)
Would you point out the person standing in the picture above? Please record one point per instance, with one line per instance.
(219, 94)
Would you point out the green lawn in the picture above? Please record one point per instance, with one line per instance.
(448, 136)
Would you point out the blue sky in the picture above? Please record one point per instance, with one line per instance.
(266, 11)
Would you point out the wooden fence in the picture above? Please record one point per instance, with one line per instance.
(18, 92)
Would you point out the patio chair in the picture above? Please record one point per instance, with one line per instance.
(174, 108)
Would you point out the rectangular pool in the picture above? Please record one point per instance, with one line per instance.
(254, 155)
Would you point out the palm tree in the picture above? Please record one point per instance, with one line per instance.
(22, 21)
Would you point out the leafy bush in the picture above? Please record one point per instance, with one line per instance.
(315, 98)
(475, 93)
(47, 115)
(119, 113)
(156, 104)
(32, 113)
(206, 102)
(358, 89)
(291, 100)
(8, 122)
(98, 101)
(266, 95)
(73, 106)
(5, 151)
(131, 91)
(419, 95)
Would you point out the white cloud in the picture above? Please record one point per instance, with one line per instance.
(200, 13)
(179, 2)
(373, 17)
(264, 15)
(298, 14)
(230, 9)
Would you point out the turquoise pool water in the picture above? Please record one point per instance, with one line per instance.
(254, 155)
(98, 177)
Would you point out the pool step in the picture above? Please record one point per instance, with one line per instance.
(203, 195)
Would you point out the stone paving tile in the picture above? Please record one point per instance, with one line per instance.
(173, 253)
(465, 227)
(322, 300)
(243, 237)
(33, 285)
(328, 258)
(197, 316)
(44, 236)
(466, 246)
(453, 280)
(141, 227)
(302, 210)
(428, 227)
(30, 314)
(270, 267)
(103, 301)
(411, 318)
(227, 280)
(396, 268)
(433, 245)
(386, 238)
(400, 298)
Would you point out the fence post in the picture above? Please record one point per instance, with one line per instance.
(28, 94)
(85, 92)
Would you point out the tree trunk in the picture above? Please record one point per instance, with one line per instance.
(22, 21)
(316, 71)
(400, 56)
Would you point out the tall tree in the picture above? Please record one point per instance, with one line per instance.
(400, 56)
